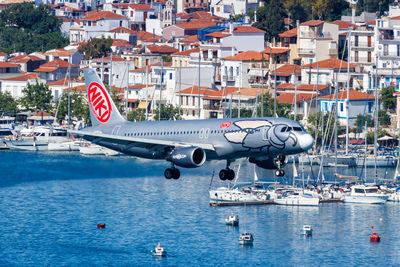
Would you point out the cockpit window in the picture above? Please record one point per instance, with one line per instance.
(297, 129)
(286, 129)
(283, 129)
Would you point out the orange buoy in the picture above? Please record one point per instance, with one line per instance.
(101, 225)
(374, 237)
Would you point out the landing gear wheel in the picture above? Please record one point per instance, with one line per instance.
(223, 174)
(231, 175)
(279, 173)
(169, 173)
(176, 173)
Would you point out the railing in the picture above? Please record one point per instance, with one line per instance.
(364, 45)
(306, 51)
(211, 107)
(157, 81)
(231, 78)
(388, 54)
(311, 34)
(355, 60)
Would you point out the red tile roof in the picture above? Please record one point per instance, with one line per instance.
(288, 69)
(344, 24)
(98, 15)
(54, 65)
(65, 81)
(133, 6)
(163, 49)
(194, 90)
(147, 37)
(186, 52)
(289, 97)
(149, 67)
(190, 39)
(248, 56)
(8, 65)
(302, 87)
(24, 77)
(24, 58)
(2, 54)
(289, 33)
(312, 23)
(247, 29)
(218, 34)
(194, 25)
(331, 63)
(276, 50)
(353, 95)
(108, 59)
(121, 42)
(60, 52)
(121, 30)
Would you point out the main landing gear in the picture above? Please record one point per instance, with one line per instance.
(173, 173)
(227, 173)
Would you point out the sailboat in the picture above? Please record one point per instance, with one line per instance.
(246, 238)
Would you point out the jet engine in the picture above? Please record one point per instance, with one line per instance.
(188, 157)
(269, 162)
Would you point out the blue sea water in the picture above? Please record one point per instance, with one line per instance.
(50, 205)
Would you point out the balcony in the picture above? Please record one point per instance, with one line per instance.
(211, 107)
(385, 54)
(360, 60)
(306, 51)
(314, 35)
(157, 81)
(361, 46)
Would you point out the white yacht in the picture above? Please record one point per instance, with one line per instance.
(246, 239)
(36, 139)
(307, 230)
(159, 251)
(296, 198)
(6, 126)
(364, 194)
(232, 220)
(244, 194)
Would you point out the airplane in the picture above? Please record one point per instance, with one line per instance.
(265, 141)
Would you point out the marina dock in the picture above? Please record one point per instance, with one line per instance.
(238, 203)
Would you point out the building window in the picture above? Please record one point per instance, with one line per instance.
(385, 50)
(369, 107)
(398, 50)
(356, 56)
(341, 107)
(369, 57)
(356, 41)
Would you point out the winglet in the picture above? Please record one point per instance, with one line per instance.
(102, 108)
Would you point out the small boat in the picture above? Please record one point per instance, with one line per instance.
(375, 237)
(246, 239)
(293, 198)
(232, 220)
(363, 194)
(307, 230)
(159, 251)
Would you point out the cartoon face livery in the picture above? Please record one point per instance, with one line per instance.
(99, 102)
(260, 134)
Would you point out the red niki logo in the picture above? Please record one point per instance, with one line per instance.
(225, 125)
(99, 102)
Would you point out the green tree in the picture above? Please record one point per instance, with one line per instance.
(388, 99)
(79, 106)
(297, 10)
(137, 115)
(36, 97)
(96, 47)
(328, 125)
(168, 112)
(270, 19)
(24, 27)
(360, 119)
(7, 103)
(383, 118)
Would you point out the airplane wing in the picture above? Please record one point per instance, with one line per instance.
(97, 137)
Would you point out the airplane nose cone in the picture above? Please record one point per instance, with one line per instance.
(306, 141)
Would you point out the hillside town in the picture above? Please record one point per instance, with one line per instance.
(191, 56)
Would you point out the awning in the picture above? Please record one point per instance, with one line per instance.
(256, 72)
(385, 138)
(143, 105)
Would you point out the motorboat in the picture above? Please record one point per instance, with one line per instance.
(307, 230)
(89, 149)
(365, 194)
(382, 161)
(6, 125)
(36, 139)
(296, 198)
(246, 239)
(232, 220)
(243, 194)
(159, 251)
(69, 145)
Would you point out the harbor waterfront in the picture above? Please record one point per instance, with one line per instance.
(51, 203)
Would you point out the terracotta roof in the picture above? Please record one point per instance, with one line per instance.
(186, 52)
(353, 95)
(8, 65)
(289, 97)
(194, 25)
(59, 52)
(190, 39)
(164, 49)
(2, 54)
(24, 77)
(248, 56)
(287, 69)
(344, 24)
(287, 21)
(54, 65)
(218, 34)
(80, 88)
(42, 113)
(98, 15)
(395, 18)
(24, 58)
(248, 91)
(121, 42)
(331, 63)
(147, 37)
(121, 30)
(139, 86)
(108, 59)
(313, 23)
(289, 33)
(247, 29)
(149, 67)
(276, 50)
(65, 81)
(372, 22)
(194, 90)
(302, 87)
(133, 6)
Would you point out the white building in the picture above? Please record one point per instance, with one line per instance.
(16, 85)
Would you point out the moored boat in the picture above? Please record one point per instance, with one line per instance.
(363, 194)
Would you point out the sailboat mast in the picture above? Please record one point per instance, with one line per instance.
(376, 125)
(348, 92)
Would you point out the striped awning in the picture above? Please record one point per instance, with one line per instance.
(143, 105)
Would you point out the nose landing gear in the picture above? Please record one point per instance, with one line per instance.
(173, 173)
(227, 173)
(279, 173)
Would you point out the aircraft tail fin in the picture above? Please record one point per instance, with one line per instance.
(101, 106)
